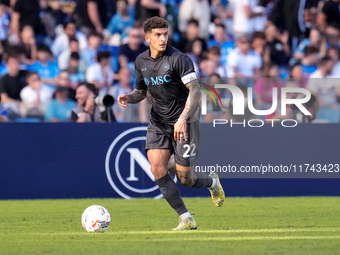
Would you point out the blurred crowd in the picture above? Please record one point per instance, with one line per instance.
(57, 56)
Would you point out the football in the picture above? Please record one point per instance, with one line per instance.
(96, 218)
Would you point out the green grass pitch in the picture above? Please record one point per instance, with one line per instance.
(303, 225)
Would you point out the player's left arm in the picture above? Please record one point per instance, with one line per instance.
(191, 104)
(193, 99)
(186, 70)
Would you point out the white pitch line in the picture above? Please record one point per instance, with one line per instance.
(239, 238)
(112, 231)
(201, 239)
(231, 231)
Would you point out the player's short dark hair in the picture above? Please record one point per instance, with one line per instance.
(154, 22)
(309, 50)
(75, 55)
(103, 54)
(89, 86)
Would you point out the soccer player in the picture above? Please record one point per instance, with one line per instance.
(169, 76)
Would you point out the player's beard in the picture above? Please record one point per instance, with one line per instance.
(161, 49)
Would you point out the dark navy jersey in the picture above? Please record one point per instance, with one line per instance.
(165, 78)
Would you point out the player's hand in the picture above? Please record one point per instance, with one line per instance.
(122, 100)
(179, 130)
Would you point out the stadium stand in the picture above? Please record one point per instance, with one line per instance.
(211, 34)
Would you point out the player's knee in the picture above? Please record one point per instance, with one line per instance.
(158, 170)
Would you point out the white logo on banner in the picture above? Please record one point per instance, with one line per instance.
(113, 159)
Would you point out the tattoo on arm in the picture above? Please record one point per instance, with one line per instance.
(136, 96)
(193, 100)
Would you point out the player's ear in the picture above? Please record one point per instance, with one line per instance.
(147, 37)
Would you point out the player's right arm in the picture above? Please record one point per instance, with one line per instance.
(134, 97)
(139, 93)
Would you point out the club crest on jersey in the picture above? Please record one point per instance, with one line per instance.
(166, 67)
(143, 69)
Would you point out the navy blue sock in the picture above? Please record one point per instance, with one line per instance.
(171, 193)
(203, 180)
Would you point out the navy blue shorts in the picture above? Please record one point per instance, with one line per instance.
(161, 136)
